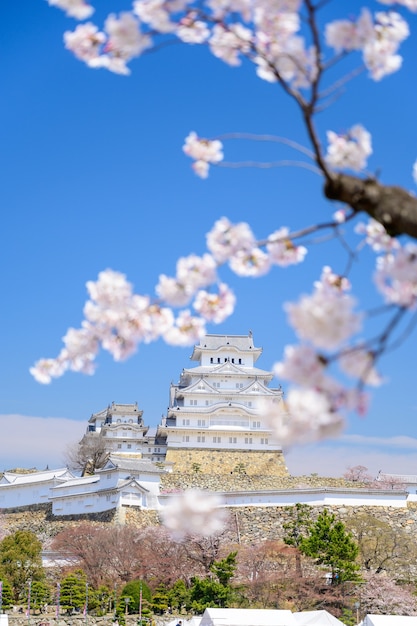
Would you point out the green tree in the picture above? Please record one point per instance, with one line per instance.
(74, 591)
(160, 600)
(21, 561)
(100, 599)
(133, 590)
(178, 595)
(6, 594)
(40, 594)
(297, 528)
(329, 543)
(207, 592)
(225, 569)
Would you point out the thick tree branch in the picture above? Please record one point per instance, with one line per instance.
(393, 207)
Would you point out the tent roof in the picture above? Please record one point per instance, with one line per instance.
(389, 620)
(316, 618)
(247, 617)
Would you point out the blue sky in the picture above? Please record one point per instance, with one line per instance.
(93, 177)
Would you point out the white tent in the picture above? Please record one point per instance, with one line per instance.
(316, 618)
(389, 620)
(247, 617)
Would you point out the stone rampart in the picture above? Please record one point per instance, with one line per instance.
(224, 462)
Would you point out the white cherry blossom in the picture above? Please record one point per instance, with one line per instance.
(226, 239)
(301, 365)
(80, 9)
(186, 330)
(326, 318)
(376, 236)
(215, 307)
(194, 512)
(359, 363)
(253, 262)
(282, 251)
(396, 276)
(85, 42)
(350, 150)
(203, 151)
(306, 416)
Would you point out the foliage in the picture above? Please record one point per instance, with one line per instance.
(297, 528)
(134, 590)
(381, 547)
(329, 543)
(215, 593)
(40, 594)
(7, 593)
(73, 592)
(160, 600)
(20, 560)
(178, 595)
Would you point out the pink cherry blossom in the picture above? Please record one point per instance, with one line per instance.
(396, 276)
(186, 330)
(85, 42)
(326, 318)
(253, 262)
(203, 149)
(358, 363)
(349, 150)
(376, 236)
(302, 365)
(226, 239)
(194, 513)
(282, 251)
(80, 9)
(215, 307)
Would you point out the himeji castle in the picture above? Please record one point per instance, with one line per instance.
(212, 419)
(212, 429)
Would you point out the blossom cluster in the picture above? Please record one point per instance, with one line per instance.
(349, 150)
(269, 32)
(194, 512)
(118, 320)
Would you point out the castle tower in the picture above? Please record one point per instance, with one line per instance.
(213, 424)
(122, 428)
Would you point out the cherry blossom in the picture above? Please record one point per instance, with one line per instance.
(227, 239)
(350, 150)
(194, 513)
(326, 318)
(203, 151)
(215, 307)
(228, 43)
(186, 331)
(85, 42)
(358, 363)
(74, 8)
(282, 251)
(396, 276)
(253, 262)
(301, 365)
(376, 236)
(306, 416)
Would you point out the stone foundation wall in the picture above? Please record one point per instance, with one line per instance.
(220, 462)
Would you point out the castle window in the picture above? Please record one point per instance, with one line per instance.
(129, 446)
(186, 438)
(149, 449)
(248, 439)
(249, 403)
(207, 402)
(218, 359)
(256, 424)
(119, 445)
(266, 440)
(240, 361)
(211, 359)
(233, 360)
(217, 439)
(201, 423)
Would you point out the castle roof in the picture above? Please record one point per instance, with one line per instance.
(12, 478)
(214, 343)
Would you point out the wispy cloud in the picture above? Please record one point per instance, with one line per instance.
(29, 441)
(391, 454)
